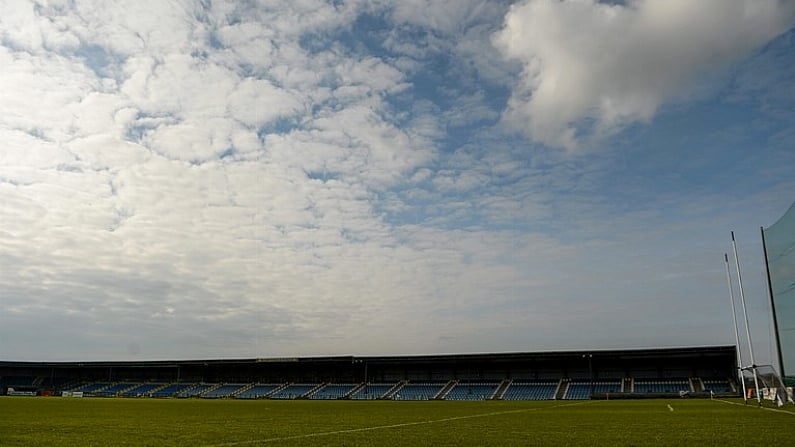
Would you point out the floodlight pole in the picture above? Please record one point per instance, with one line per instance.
(747, 326)
(590, 372)
(736, 331)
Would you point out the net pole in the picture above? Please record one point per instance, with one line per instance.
(736, 331)
(745, 315)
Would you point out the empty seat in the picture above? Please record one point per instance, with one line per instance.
(372, 391)
(293, 391)
(472, 391)
(141, 390)
(172, 390)
(662, 385)
(530, 391)
(225, 390)
(418, 391)
(583, 390)
(258, 391)
(337, 391)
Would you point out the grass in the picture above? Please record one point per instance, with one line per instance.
(196, 422)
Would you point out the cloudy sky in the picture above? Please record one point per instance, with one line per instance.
(215, 179)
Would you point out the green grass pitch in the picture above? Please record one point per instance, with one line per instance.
(196, 422)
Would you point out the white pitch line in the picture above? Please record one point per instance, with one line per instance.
(764, 408)
(382, 427)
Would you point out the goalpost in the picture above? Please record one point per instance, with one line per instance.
(773, 388)
(778, 245)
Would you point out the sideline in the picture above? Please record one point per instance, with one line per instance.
(776, 410)
(404, 424)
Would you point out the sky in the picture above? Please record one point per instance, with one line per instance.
(263, 178)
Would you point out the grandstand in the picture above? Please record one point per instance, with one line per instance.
(333, 391)
(531, 390)
(225, 390)
(662, 386)
(295, 391)
(371, 391)
(472, 391)
(512, 376)
(258, 391)
(418, 391)
(584, 390)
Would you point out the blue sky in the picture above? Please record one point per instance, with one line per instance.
(252, 179)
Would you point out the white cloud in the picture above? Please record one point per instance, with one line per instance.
(180, 181)
(142, 27)
(112, 171)
(615, 64)
(256, 102)
(443, 16)
(24, 27)
(40, 92)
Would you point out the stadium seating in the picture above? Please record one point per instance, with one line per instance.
(258, 391)
(195, 390)
(372, 391)
(538, 389)
(472, 391)
(418, 391)
(333, 391)
(18, 381)
(520, 390)
(661, 386)
(717, 386)
(171, 390)
(225, 390)
(294, 391)
(583, 390)
(90, 387)
(115, 389)
(141, 390)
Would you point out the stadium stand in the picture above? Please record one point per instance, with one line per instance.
(115, 389)
(294, 391)
(453, 390)
(223, 391)
(472, 391)
(662, 386)
(717, 386)
(650, 373)
(333, 391)
(519, 390)
(171, 390)
(196, 390)
(583, 390)
(419, 391)
(258, 391)
(18, 380)
(91, 387)
(372, 391)
(140, 390)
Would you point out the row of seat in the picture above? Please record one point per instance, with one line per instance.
(453, 390)
(717, 386)
(584, 390)
(662, 386)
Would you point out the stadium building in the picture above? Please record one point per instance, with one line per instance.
(638, 373)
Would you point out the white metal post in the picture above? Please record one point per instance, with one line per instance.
(736, 331)
(747, 326)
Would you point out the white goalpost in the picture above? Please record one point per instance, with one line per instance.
(767, 382)
(773, 389)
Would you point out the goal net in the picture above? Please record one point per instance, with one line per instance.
(771, 387)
